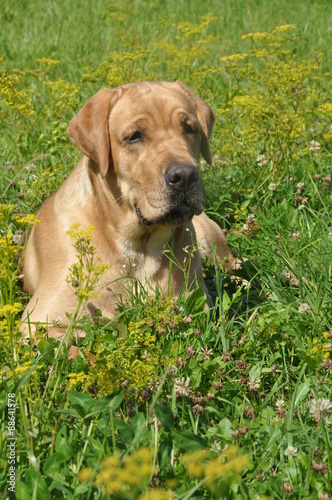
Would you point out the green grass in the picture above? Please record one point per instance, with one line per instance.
(179, 404)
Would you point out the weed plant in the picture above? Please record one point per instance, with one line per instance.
(165, 400)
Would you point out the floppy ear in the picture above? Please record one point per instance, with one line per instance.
(206, 118)
(88, 130)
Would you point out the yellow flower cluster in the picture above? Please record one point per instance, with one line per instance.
(20, 370)
(286, 103)
(45, 61)
(26, 220)
(76, 378)
(10, 309)
(6, 211)
(128, 364)
(185, 59)
(133, 473)
(76, 233)
(85, 274)
(12, 97)
(160, 312)
(139, 332)
(233, 57)
(129, 474)
(47, 180)
(136, 360)
(65, 94)
(8, 251)
(275, 38)
(8, 327)
(321, 348)
(203, 465)
(188, 29)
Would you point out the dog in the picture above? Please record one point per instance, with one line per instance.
(139, 185)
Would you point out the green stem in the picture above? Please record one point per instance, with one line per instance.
(24, 420)
(327, 444)
(66, 339)
(80, 460)
(155, 451)
(170, 264)
(112, 431)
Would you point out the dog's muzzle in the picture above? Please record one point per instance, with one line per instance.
(185, 196)
(182, 177)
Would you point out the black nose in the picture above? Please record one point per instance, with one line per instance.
(181, 177)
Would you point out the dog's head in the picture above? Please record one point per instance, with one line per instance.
(150, 134)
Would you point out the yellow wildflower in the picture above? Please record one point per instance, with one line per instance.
(85, 475)
(20, 370)
(233, 57)
(26, 220)
(10, 309)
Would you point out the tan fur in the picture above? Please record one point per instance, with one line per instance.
(113, 178)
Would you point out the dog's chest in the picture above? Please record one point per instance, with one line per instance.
(143, 258)
(142, 267)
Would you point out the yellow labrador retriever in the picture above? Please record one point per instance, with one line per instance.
(139, 184)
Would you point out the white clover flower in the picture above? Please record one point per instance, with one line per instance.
(17, 237)
(314, 146)
(31, 166)
(295, 236)
(272, 186)
(203, 165)
(304, 308)
(280, 403)
(254, 384)
(250, 219)
(172, 370)
(217, 445)
(291, 451)
(320, 409)
(262, 161)
(182, 387)
(285, 275)
(57, 321)
(206, 353)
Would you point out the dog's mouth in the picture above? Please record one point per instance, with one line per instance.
(177, 215)
(142, 220)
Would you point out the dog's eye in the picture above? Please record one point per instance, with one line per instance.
(188, 129)
(134, 137)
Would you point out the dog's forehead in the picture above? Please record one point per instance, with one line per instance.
(153, 98)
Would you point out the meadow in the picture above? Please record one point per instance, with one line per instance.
(178, 404)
